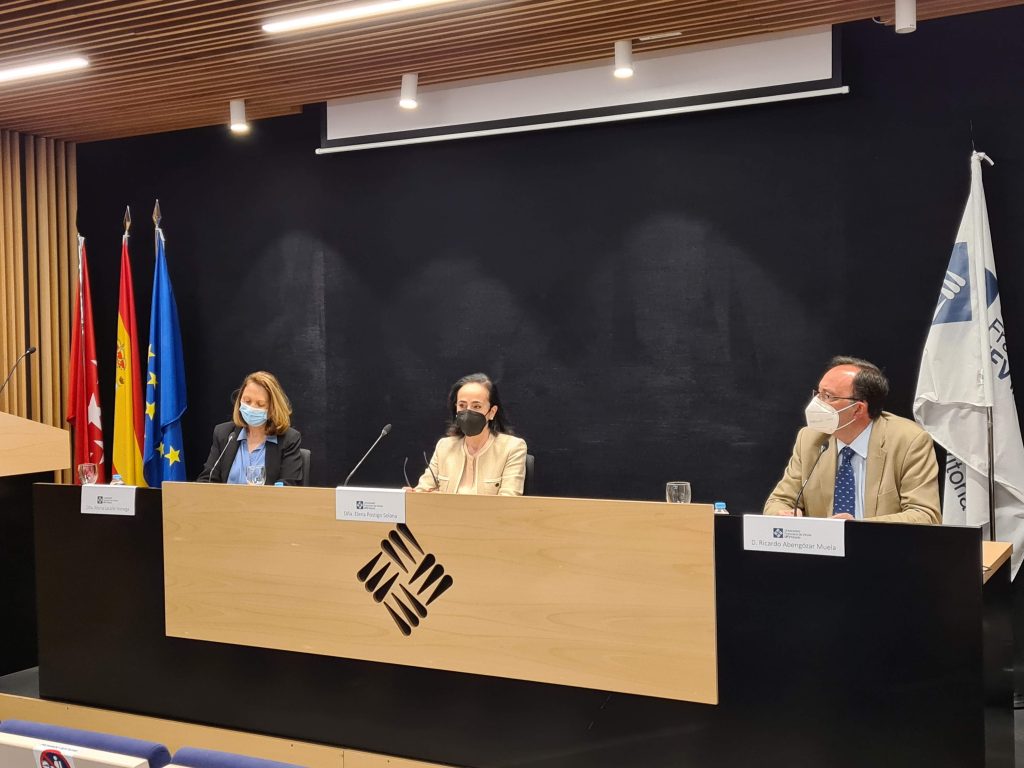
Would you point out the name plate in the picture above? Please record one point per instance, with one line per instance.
(108, 500)
(795, 535)
(370, 505)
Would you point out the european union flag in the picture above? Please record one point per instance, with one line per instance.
(163, 455)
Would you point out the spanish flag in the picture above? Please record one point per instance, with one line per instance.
(128, 424)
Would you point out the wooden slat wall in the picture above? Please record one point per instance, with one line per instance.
(7, 259)
(176, 64)
(38, 265)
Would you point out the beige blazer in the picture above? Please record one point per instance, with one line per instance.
(900, 477)
(500, 468)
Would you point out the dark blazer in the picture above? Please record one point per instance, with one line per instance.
(283, 461)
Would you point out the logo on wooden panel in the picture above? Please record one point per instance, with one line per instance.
(404, 579)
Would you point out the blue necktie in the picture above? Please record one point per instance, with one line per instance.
(845, 499)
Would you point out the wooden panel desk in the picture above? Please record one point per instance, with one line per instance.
(612, 595)
(896, 654)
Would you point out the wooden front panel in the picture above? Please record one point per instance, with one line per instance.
(27, 446)
(609, 595)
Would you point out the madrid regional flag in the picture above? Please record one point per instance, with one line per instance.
(83, 412)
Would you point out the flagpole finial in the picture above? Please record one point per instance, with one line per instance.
(127, 219)
(156, 214)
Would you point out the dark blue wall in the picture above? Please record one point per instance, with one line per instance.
(656, 298)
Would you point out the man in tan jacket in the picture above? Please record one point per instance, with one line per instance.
(873, 465)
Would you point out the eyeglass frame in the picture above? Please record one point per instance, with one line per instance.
(827, 398)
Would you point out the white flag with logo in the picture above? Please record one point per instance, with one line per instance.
(964, 370)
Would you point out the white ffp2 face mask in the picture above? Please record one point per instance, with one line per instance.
(822, 417)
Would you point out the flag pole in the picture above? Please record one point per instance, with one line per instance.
(991, 478)
(81, 343)
(127, 219)
(81, 300)
(156, 225)
(981, 215)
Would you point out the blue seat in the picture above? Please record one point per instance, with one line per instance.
(156, 754)
(191, 757)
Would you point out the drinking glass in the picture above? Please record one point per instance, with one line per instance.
(255, 475)
(87, 474)
(677, 492)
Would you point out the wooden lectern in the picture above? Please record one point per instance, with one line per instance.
(28, 447)
(29, 453)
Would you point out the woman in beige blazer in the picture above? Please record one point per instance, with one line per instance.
(479, 455)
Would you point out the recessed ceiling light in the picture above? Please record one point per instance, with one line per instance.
(42, 68)
(659, 36)
(350, 12)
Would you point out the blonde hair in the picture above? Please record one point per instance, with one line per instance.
(279, 408)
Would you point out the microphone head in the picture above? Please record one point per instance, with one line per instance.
(31, 351)
(387, 428)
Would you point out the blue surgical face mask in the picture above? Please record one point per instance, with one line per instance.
(254, 417)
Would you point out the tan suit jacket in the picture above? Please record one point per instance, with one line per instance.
(900, 476)
(500, 469)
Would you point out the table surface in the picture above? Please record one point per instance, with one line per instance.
(993, 555)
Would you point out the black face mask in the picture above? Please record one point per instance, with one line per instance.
(471, 423)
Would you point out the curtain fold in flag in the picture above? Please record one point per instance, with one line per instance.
(83, 378)
(964, 371)
(163, 453)
(129, 430)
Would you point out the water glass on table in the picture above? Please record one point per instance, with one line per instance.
(87, 474)
(677, 492)
(255, 475)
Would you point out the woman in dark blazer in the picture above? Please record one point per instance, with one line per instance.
(259, 434)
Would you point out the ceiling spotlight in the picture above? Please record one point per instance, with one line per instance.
(52, 67)
(238, 121)
(656, 36)
(407, 100)
(349, 12)
(906, 16)
(623, 58)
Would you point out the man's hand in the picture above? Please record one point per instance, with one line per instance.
(843, 516)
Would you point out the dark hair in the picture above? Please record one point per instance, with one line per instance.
(498, 424)
(869, 384)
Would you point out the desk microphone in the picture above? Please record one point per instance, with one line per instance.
(24, 354)
(387, 428)
(234, 433)
(821, 452)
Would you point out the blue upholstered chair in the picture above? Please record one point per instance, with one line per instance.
(191, 757)
(156, 754)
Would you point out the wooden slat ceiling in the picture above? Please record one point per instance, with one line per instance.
(162, 65)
